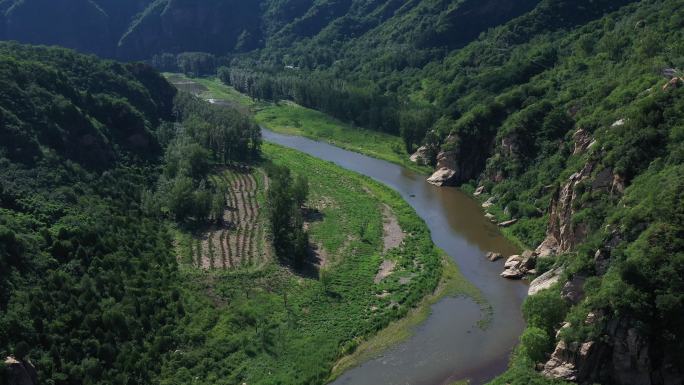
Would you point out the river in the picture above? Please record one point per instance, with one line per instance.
(449, 345)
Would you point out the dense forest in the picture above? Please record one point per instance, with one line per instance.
(139, 29)
(89, 285)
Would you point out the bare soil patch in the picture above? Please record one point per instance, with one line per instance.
(386, 268)
(392, 233)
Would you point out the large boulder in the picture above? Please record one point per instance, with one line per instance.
(517, 266)
(441, 177)
(545, 281)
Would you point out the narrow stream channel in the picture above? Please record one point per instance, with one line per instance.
(448, 346)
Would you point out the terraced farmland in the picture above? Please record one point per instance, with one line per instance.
(239, 239)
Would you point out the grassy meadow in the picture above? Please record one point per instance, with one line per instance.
(289, 118)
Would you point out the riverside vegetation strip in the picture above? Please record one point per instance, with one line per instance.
(286, 117)
(270, 325)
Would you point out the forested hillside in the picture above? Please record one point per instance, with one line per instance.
(89, 286)
(314, 31)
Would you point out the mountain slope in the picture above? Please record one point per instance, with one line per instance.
(77, 291)
(139, 29)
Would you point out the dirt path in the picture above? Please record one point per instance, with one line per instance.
(392, 233)
(385, 270)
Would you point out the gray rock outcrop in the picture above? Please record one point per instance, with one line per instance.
(517, 266)
(441, 177)
(422, 155)
(621, 356)
(545, 281)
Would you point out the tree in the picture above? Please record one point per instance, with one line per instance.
(284, 199)
(536, 343)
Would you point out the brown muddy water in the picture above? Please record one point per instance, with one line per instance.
(449, 345)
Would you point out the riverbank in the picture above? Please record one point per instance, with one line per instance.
(265, 322)
(440, 349)
(452, 283)
(288, 118)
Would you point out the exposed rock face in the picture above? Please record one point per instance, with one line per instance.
(479, 191)
(458, 161)
(571, 361)
(447, 168)
(561, 234)
(573, 290)
(422, 155)
(545, 281)
(673, 83)
(582, 140)
(493, 256)
(20, 372)
(621, 356)
(509, 146)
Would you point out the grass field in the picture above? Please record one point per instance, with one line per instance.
(289, 118)
(265, 324)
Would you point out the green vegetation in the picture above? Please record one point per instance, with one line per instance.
(277, 325)
(129, 218)
(285, 198)
(500, 88)
(88, 286)
(292, 119)
(289, 118)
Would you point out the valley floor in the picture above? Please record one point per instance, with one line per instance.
(289, 118)
(253, 320)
